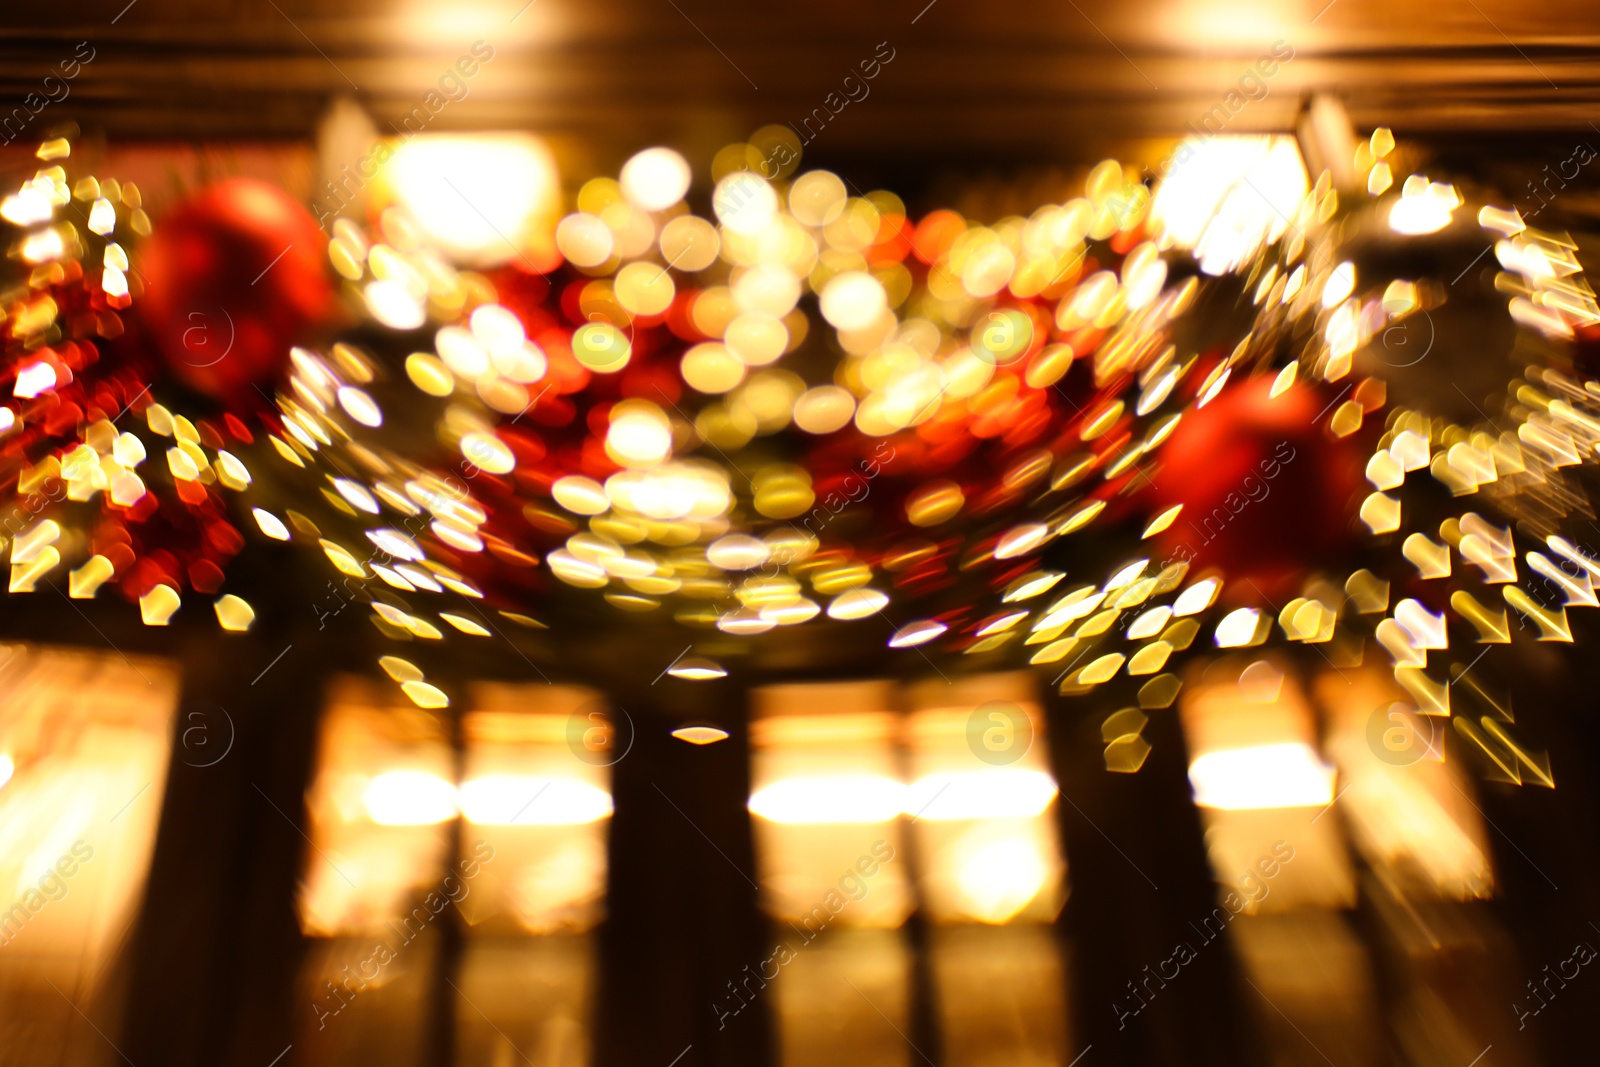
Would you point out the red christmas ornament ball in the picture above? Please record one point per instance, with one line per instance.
(233, 278)
(1267, 491)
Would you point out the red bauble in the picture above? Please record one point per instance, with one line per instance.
(1267, 492)
(232, 279)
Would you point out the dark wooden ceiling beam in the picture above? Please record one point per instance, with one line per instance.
(1007, 79)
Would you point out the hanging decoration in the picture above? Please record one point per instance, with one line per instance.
(102, 485)
(811, 408)
(232, 279)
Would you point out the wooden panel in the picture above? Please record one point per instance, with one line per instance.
(1002, 80)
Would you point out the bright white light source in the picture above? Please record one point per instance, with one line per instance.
(497, 328)
(845, 798)
(580, 495)
(1423, 207)
(1126, 576)
(700, 735)
(360, 406)
(396, 544)
(357, 495)
(744, 204)
(34, 379)
(917, 633)
(1341, 282)
(697, 669)
(409, 798)
(43, 246)
(102, 217)
(770, 288)
(1020, 540)
(26, 208)
(270, 524)
(488, 453)
(477, 197)
(853, 300)
(114, 282)
(999, 878)
(1238, 628)
(737, 552)
(585, 239)
(856, 603)
(524, 364)
(1196, 598)
(1226, 197)
(1149, 623)
(824, 409)
(640, 435)
(576, 571)
(1425, 629)
(1003, 793)
(392, 304)
(655, 179)
(523, 800)
(1268, 776)
(462, 352)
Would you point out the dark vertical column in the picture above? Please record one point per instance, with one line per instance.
(924, 1034)
(214, 955)
(1542, 840)
(683, 919)
(440, 1033)
(1137, 865)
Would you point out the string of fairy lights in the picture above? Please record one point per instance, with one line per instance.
(805, 405)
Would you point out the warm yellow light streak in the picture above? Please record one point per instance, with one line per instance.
(1288, 775)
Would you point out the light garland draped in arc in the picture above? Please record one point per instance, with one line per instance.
(810, 406)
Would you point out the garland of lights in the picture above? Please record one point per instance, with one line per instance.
(661, 421)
